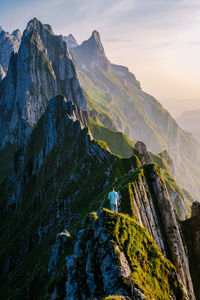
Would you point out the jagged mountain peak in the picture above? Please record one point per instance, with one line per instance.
(35, 25)
(8, 44)
(44, 69)
(47, 26)
(91, 54)
(17, 33)
(95, 41)
(96, 36)
(71, 41)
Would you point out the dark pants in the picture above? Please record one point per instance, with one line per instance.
(113, 207)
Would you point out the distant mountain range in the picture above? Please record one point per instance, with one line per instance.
(116, 99)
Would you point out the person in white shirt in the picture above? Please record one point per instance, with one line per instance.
(113, 197)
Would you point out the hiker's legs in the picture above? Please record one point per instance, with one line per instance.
(115, 208)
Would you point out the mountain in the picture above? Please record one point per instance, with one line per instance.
(8, 44)
(54, 182)
(121, 145)
(59, 240)
(71, 41)
(91, 53)
(191, 229)
(190, 121)
(39, 71)
(113, 90)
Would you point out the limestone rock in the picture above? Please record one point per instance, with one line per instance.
(2, 73)
(99, 267)
(8, 44)
(191, 231)
(41, 70)
(71, 41)
(90, 53)
(140, 150)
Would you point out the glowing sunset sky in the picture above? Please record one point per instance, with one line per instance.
(158, 40)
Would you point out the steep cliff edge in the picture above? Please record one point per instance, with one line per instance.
(40, 70)
(114, 255)
(54, 182)
(8, 43)
(120, 144)
(191, 231)
(114, 90)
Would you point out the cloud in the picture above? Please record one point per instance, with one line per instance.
(115, 40)
(164, 44)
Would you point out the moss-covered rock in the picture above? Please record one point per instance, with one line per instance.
(114, 255)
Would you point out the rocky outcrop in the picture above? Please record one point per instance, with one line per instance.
(140, 150)
(191, 231)
(61, 119)
(41, 70)
(113, 255)
(146, 199)
(90, 54)
(165, 155)
(71, 41)
(8, 44)
(2, 73)
(171, 233)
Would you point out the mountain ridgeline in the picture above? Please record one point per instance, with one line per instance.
(59, 161)
(114, 91)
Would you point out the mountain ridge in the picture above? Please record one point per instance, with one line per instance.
(39, 71)
(116, 91)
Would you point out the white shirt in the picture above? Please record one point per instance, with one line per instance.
(113, 197)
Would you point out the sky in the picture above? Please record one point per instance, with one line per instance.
(158, 40)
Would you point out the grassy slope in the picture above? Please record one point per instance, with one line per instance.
(120, 144)
(117, 142)
(89, 176)
(31, 272)
(111, 93)
(154, 274)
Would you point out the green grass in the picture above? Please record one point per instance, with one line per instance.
(117, 142)
(154, 274)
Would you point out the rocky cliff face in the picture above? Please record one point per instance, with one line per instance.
(41, 70)
(55, 180)
(8, 44)
(2, 73)
(102, 265)
(114, 90)
(71, 41)
(90, 54)
(191, 231)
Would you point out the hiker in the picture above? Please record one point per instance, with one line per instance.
(114, 198)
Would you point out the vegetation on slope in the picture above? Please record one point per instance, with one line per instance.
(117, 142)
(154, 275)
